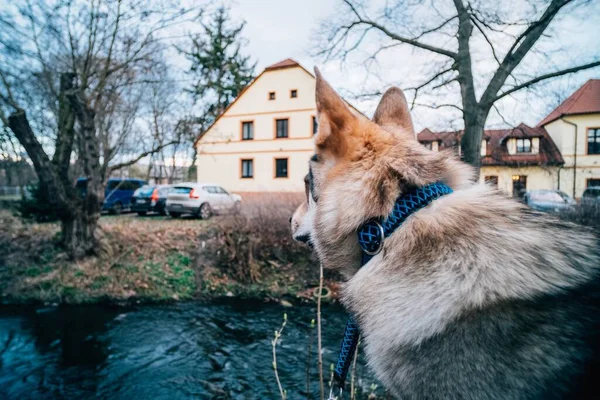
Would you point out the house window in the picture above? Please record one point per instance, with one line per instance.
(271, 95)
(247, 169)
(281, 127)
(523, 145)
(519, 185)
(281, 168)
(492, 180)
(315, 126)
(293, 93)
(248, 130)
(593, 182)
(427, 145)
(593, 137)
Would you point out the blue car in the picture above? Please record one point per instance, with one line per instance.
(118, 193)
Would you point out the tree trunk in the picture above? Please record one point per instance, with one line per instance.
(471, 140)
(80, 238)
(78, 234)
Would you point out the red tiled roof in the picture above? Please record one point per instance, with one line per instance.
(287, 63)
(585, 100)
(497, 152)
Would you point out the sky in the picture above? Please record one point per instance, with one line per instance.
(280, 29)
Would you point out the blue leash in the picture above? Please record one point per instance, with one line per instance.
(371, 236)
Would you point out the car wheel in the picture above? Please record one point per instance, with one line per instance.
(205, 211)
(141, 213)
(175, 214)
(116, 209)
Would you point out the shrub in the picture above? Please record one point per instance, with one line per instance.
(36, 205)
(587, 215)
(259, 235)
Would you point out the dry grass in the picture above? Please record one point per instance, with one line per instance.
(157, 258)
(142, 259)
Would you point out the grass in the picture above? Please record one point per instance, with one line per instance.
(143, 259)
(155, 259)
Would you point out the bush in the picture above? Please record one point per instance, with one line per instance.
(258, 236)
(587, 215)
(36, 205)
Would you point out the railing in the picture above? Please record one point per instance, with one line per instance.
(10, 191)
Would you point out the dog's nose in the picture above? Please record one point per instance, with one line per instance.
(302, 238)
(290, 220)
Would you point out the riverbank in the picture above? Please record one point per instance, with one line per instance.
(156, 259)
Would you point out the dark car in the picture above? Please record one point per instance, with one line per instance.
(591, 196)
(548, 200)
(118, 193)
(150, 198)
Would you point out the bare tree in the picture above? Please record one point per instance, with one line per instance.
(447, 31)
(71, 80)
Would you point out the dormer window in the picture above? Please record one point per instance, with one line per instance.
(484, 144)
(427, 145)
(523, 145)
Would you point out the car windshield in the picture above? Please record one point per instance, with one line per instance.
(145, 190)
(181, 190)
(164, 191)
(591, 193)
(546, 197)
(114, 184)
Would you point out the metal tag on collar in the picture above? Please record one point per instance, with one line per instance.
(370, 237)
(338, 397)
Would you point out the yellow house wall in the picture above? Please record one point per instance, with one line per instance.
(588, 165)
(221, 149)
(537, 177)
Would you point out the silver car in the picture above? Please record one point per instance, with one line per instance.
(549, 200)
(201, 199)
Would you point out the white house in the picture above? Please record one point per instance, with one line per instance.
(262, 142)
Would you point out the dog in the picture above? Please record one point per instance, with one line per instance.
(474, 296)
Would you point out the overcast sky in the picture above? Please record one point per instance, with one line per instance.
(278, 29)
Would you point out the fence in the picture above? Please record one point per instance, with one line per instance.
(10, 191)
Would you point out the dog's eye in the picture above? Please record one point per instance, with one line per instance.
(306, 187)
(311, 185)
(315, 158)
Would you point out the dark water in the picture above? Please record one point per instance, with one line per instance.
(161, 352)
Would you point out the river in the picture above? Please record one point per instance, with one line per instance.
(178, 351)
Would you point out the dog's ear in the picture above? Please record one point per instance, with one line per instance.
(335, 118)
(393, 111)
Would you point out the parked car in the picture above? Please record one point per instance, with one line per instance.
(201, 199)
(117, 194)
(591, 196)
(548, 200)
(150, 198)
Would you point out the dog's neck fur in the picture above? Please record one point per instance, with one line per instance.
(343, 208)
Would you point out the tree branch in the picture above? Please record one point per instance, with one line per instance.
(139, 157)
(547, 76)
(397, 37)
(518, 50)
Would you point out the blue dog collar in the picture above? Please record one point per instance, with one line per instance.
(372, 234)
